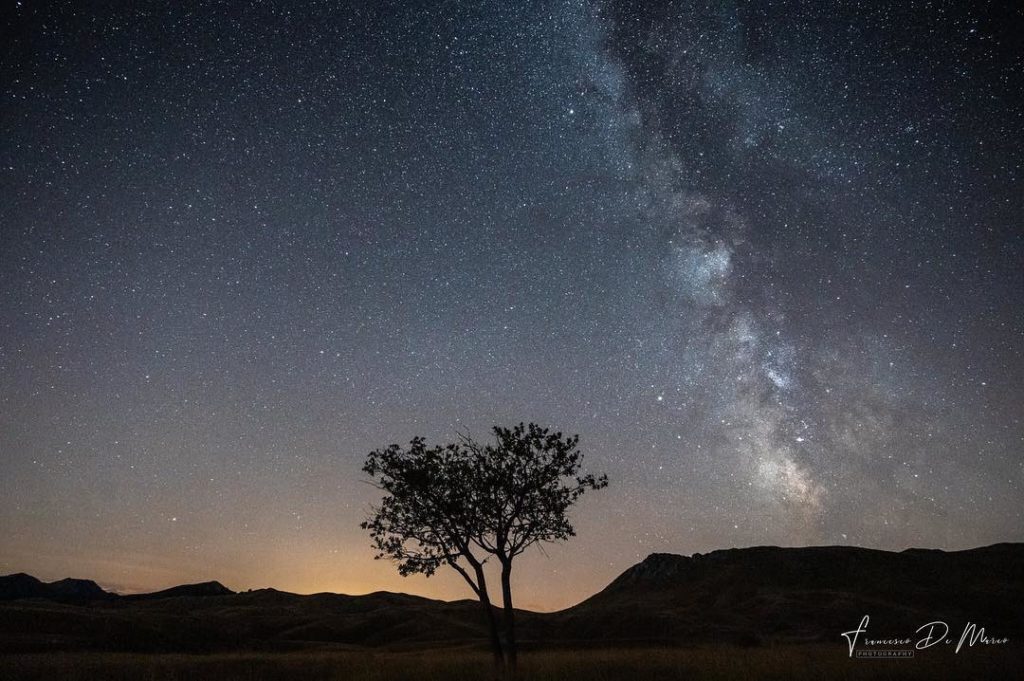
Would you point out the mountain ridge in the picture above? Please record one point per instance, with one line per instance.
(22, 585)
(657, 560)
(747, 596)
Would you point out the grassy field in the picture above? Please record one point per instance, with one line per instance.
(783, 663)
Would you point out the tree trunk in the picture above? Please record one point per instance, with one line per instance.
(511, 653)
(492, 620)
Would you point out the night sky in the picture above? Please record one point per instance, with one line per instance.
(765, 258)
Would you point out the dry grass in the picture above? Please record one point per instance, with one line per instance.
(783, 663)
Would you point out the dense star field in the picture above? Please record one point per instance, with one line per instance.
(765, 258)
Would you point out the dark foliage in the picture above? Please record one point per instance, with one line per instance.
(464, 503)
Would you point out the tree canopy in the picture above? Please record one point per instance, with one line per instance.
(464, 503)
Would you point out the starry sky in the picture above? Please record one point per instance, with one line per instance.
(764, 257)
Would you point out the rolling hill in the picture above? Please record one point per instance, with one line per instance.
(759, 594)
(738, 596)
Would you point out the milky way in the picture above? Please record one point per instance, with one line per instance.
(765, 258)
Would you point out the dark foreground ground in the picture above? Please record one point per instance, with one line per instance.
(818, 662)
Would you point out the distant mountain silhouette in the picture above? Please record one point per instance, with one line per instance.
(200, 590)
(26, 586)
(21, 586)
(802, 594)
(739, 596)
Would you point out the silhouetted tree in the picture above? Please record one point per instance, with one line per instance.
(463, 503)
